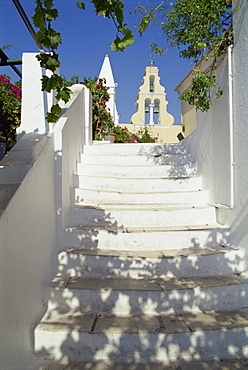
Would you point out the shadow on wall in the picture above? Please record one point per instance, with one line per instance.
(239, 226)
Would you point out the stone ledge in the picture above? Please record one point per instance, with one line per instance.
(16, 164)
(147, 285)
(206, 365)
(161, 324)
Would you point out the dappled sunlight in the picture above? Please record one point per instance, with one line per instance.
(142, 281)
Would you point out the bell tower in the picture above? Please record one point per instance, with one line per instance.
(151, 101)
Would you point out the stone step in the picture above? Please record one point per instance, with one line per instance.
(161, 339)
(137, 172)
(135, 149)
(216, 364)
(150, 217)
(150, 238)
(122, 297)
(105, 198)
(138, 185)
(139, 160)
(152, 263)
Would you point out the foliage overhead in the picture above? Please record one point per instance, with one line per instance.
(201, 29)
(50, 39)
(10, 110)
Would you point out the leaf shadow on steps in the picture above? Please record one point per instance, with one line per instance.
(132, 317)
(174, 155)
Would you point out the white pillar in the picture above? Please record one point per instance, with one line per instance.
(151, 122)
(35, 103)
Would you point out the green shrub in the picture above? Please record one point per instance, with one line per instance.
(123, 135)
(10, 110)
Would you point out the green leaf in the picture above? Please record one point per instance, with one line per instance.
(64, 94)
(121, 44)
(52, 14)
(49, 61)
(47, 84)
(38, 19)
(56, 109)
(55, 40)
(80, 5)
(53, 118)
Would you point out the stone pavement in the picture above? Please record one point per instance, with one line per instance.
(209, 365)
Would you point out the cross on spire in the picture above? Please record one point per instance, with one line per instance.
(151, 60)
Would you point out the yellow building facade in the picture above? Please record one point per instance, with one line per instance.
(151, 109)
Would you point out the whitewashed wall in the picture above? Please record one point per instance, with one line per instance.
(33, 99)
(28, 242)
(211, 143)
(36, 177)
(239, 216)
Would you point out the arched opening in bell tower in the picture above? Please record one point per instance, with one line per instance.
(156, 111)
(151, 84)
(147, 111)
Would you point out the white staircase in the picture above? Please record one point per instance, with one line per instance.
(147, 275)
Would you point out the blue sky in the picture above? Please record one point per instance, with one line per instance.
(86, 39)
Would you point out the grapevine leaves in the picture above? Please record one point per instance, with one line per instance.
(120, 44)
(44, 14)
(80, 5)
(115, 11)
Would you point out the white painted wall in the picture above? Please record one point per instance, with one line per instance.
(211, 145)
(33, 99)
(32, 223)
(28, 246)
(239, 216)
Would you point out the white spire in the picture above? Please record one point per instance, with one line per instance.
(106, 72)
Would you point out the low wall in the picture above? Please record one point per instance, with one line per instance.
(35, 181)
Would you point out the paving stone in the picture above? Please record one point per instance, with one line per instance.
(60, 282)
(243, 312)
(100, 252)
(112, 284)
(168, 253)
(173, 253)
(214, 281)
(174, 324)
(214, 320)
(215, 365)
(209, 365)
(67, 322)
(149, 254)
(135, 324)
(165, 284)
(202, 282)
(109, 366)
